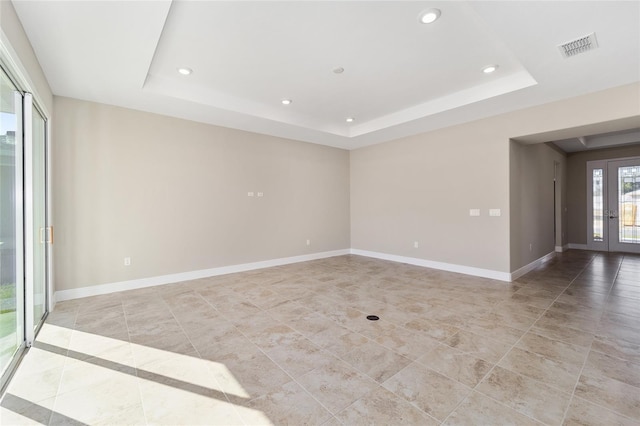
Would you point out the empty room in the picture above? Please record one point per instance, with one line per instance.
(319, 212)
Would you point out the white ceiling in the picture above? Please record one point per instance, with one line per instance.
(400, 77)
(598, 141)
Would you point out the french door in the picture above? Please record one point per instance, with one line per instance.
(24, 233)
(613, 196)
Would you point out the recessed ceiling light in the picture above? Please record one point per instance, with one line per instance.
(350, 119)
(338, 70)
(185, 71)
(286, 102)
(429, 16)
(489, 69)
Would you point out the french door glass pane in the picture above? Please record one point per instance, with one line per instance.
(39, 218)
(11, 288)
(598, 205)
(629, 204)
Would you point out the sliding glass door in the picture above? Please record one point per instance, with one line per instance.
(24, 234)
(37, 232)
(12, 330)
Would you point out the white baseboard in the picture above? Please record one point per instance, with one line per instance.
(561, 249)
(578, 246)
(531, 266)
(97, 290)
(451, 267)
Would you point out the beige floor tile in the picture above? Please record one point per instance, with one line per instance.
(531, 398)
(169, 405)
(273, 336)
(519, 308)
(256, 374)
(332, 422)
(89, 373)
(517, 321)
(617, 348)
(432, 328)
(376, 361)
(337, 385)
(411, 344)
(478, 346)
(15, 411)
(478, 409)
(495, 330)
(584, 413)
(600, 365)
(55, 335)
(553, 349)
(555, 373)
(231, 349)
(115, 400)
(432, 392)
(563, 333)
(339, 340)
(311, 323)
(612, 394)
(300, 356)
(456, 365)
(87, 345)
(35, 386)
(381, 407)
(289, 404)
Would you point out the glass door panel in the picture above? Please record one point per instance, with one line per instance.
(40, 235)
(624, 205)
(11, 225)
(598, 205)
(597, 213)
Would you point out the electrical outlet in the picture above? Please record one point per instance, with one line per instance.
(249, 194)
(308, 242)
(127, 261)
(260, 194)
(415, 244)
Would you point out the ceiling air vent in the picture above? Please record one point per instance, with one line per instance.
(577, 46)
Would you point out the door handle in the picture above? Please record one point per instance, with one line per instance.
(613, 214)
(46, 235)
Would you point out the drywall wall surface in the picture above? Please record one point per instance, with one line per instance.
(421, 188)
(173, 196)
(17, 38)
(577, 186)
(534, 191)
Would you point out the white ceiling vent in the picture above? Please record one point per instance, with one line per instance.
(577, 46)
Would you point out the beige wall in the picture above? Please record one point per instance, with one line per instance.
(172, 195)
(532, 171)
(16, 37)
(421, 188)
(577, 186)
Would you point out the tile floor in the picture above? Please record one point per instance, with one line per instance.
(291, 345)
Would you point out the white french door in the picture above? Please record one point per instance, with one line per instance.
(613, 197)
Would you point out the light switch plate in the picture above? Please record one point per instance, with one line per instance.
(474, 212)
(494, 212)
